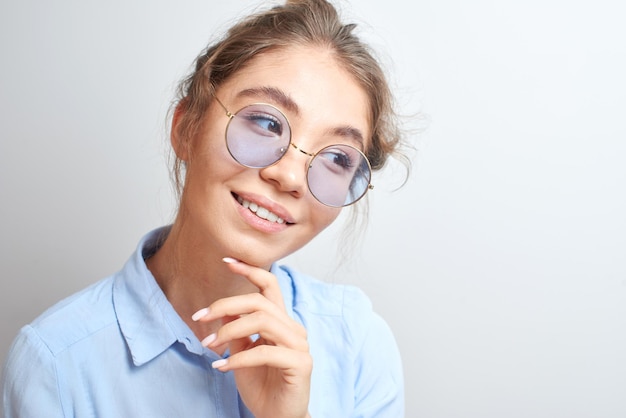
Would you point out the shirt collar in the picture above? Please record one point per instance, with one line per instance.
(148, 321)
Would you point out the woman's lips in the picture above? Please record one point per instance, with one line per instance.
(264, 209)
(260, 211)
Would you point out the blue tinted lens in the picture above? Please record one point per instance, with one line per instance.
(339, 175)
(258, 135)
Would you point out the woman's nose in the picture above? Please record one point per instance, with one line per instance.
(289, 173)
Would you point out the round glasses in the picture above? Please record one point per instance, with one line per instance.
(259, 135)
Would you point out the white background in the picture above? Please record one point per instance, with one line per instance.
(501, 265)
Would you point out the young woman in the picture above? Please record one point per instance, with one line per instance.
(277, 129)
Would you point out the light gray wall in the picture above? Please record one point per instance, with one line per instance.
(501, 265)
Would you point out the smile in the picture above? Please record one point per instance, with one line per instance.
(260, 211)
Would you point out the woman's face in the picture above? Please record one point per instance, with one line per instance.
(324, 106)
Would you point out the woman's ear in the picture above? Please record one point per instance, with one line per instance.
(179, 141)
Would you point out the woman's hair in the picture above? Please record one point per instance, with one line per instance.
(296, 23)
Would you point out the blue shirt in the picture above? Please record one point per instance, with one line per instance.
(119, 349)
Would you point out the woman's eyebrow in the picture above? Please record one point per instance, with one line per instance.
(350, 133)
(272, 94)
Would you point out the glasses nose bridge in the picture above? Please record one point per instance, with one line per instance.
(301, 150)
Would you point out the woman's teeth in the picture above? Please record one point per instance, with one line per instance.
(260, 211)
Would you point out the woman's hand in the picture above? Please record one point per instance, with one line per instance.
(273, 373)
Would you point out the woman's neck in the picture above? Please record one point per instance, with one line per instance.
(192, 277)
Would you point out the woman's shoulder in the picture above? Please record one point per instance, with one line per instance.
(347, 339)
(75, 317)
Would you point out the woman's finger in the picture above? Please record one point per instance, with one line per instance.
(270, 329)
(263, 279)
(239, 305)
(291, 362)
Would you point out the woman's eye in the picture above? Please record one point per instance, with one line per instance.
(341, 160)
(337, 159)
(267, 123)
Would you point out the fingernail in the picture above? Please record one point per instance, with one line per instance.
(209, 339)
(200, 314)
(229, 260)
(219, 363)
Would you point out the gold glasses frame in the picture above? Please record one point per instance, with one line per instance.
(312, 156)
